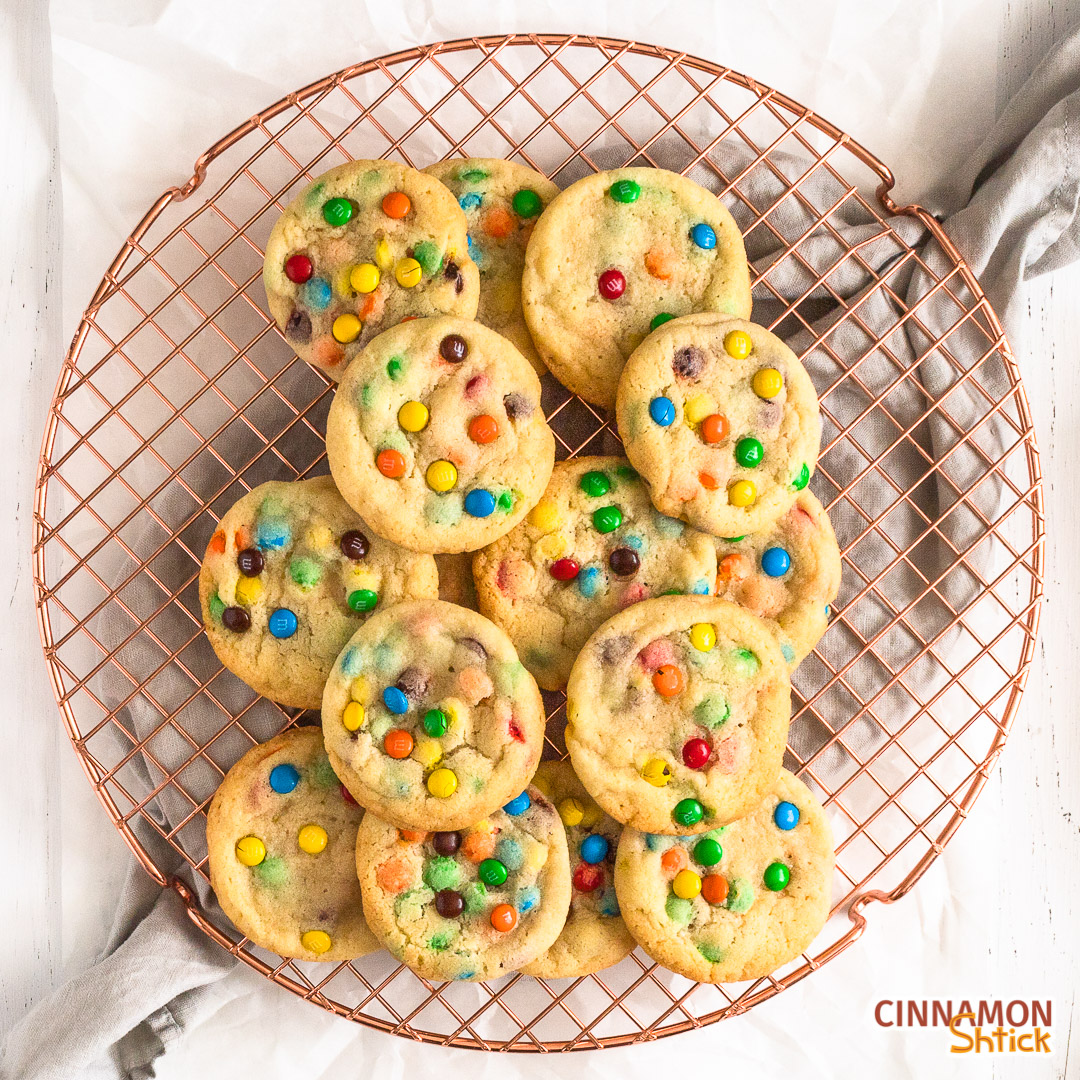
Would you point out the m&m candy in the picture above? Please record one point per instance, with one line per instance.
(703, 636)
(624, 562)
(284, 778)
(395, 700)
(480, 503)
(714, 888)
(714, 428)
(704, 236)
(312, 839)
(492, 872)
(696, 753)
(625, 191)
(250, 561)
(298, 268)
(742, 493)
(786, 816)
(412, 416)
(662, 411)
(361, 600)
(738, 344)
(282, 623)
(441, 476)
(802, 478)
(446, 843)
(607, 519)
(749, 453)
(656, 771)
(346, 328)
(365, 277)
(776, 876)
(408, 273)
(503, 918)
(442, 783)
(594, 848)
(686, 885)
(611, 284)
(453, 348)
(352, 717)
(354, 545)
(250, 850)
(236, 619)
(398, 743)
(391, 463)
(396, 204)
(571, 812)
(337, 212)
(775, 562)
(659, 319)
(668, 680)
(483, 429)
(316, 941)
(526, 203)
(435, 723)
(708, 852)
(768, 382)
(595, 484)
(687, 812)
(588, 877)
(518, 805)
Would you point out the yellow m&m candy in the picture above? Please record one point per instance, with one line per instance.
(545, 516)
(248, 590)
(408, 273)
(346, 328)
(353, 716)
(364, 278)
(703, 636)
(441, 476)
(656, 771)
(413, 416)
(312, 839)
(698, 407)
(768, 382)
(571, 812)
(742, 493)
(738, 344)
(250, 850)
(383, 256)
(442, 783)
(316, 941)
(428, 752)
(686, 885)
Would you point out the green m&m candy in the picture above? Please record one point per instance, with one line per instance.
(708, 852)
(337, 212)
(802, 479)
(363, 599)
(776, 876)
(607, 519)
(625, 191)
(526, 203)
(687, 812)
(595, 484)
(492, 872)
(749, 452)
(659, 319)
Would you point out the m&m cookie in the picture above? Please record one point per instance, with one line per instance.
(473, 903)
(594, 936)
(613, 257)
(721, 419)
(737, 902)
(429, 717)
(592, 546)
(281, 837)
(436, 434)
(502, 201)
(788, 575)
(367, 244)
(677, 714)
(288, 575)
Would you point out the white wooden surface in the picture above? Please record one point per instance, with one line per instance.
(997, 916)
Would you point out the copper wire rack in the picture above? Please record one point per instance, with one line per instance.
(178, 394)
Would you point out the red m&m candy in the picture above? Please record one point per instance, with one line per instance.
(564, 569)
(611, 284)
(696, 753)
(298, 268)
(588, 877)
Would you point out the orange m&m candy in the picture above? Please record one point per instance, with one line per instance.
(733, 567)
(390, 463)
(669, 680)
(503, 918)
(714, 888)
(708, 481)
(660, 262)
(483, 429)
(673, 860)
(393, 875)
(398, 743)
(478, 846)
(396, 204)
(715, 428)
(498, 223)
(217, 543)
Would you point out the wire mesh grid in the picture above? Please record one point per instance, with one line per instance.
(178, 395)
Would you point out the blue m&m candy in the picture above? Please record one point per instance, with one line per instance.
(775, 561)
(704, 236)
(283, 778)
(594, 848)
(480, 503)
(662, 410)
(318, 294)
(282, 623)
(469, 201)
(786, 816)
(395, 700)
(518, 805)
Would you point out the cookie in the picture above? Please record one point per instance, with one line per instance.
(594, 937)
(470, 904)
(787, 575)
(281, 836)
(437, 435)
(593, 545)
(289, 575)
(616, 254)
(721, 419)
(677, 714)
(429, 717)
(367, 244)
(739, 901)
(502, 201)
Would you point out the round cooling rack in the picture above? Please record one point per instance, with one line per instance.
(178, 395)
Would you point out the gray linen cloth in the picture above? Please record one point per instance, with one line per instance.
(1012, 212)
